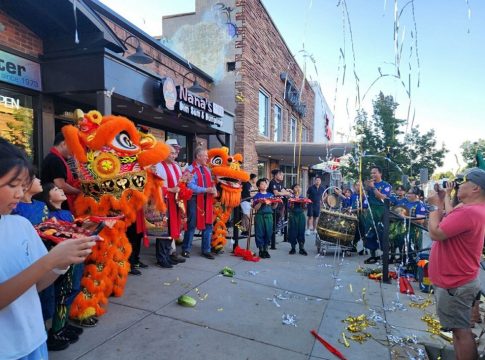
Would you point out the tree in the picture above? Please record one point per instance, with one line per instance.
(382, 142)
(422, 152)
(469, 151)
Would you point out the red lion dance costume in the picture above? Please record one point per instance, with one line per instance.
(228, 174)
(112, 159)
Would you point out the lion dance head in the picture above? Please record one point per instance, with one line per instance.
(112, 160)
(229, 176)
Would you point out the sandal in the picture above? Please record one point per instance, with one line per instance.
(88, 322)
(371, 260)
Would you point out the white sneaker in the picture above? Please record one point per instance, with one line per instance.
(308, 232)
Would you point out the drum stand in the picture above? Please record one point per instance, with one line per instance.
(324, 246)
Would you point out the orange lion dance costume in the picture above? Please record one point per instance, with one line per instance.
(228, 174)
(112, 160)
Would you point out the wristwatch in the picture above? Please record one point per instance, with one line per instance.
(432, 208)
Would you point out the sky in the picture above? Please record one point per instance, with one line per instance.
(448, 64)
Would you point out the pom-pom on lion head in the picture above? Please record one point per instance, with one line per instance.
(228, 173)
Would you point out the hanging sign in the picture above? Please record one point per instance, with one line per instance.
(19, 71)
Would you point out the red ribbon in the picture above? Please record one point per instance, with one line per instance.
(328, 346)
(173, 214)
(204, 211)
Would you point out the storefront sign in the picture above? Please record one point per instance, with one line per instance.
(193, 105)
(292, 96)
(10, 102)
(19, 71)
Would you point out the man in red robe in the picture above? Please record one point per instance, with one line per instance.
(199, 207)
(171, 174)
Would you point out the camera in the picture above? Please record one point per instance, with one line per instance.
(444, 184)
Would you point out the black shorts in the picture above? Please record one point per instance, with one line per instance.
(313, 210)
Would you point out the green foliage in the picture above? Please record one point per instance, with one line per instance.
(443, 175)
(19, 130)
(469, 151)
(383, 143)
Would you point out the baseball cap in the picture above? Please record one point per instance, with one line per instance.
(476, 176)
(173, 142)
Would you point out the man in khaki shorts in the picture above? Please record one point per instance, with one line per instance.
(455, 257)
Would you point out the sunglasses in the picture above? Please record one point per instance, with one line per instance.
(460, 180)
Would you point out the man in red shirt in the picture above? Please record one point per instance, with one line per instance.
(455, 258)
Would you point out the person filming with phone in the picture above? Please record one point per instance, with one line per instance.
(455, 255)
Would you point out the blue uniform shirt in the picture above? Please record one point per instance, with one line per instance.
(355, 200)
(36, 211)
(416, 208)
(63, 215)
(264, 209)
(384, 188)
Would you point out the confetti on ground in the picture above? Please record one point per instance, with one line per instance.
(201, 297)
(253, 272)
(289, 319)
(220, 309)
(167, 283)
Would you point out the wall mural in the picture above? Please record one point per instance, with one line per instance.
(209, 43)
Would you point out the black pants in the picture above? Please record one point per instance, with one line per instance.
(162, 251)
(135, 240)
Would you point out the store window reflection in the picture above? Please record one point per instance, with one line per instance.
(17, 119)
(262, 169)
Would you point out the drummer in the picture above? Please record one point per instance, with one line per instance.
(417, 210)
(397, 228)
(346, 198)
(398, 198)
(359, 206)
(377, 190)
(296, 221)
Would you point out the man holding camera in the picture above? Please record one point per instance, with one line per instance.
(455, 256)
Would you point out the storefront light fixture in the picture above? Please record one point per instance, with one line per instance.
(195, 88)
(139, 57)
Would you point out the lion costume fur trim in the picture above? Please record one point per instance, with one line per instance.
(229, 176)
(107, 266)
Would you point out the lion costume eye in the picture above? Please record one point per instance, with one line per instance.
(123, 142)
(216, 160)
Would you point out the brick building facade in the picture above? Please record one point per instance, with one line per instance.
(258, 65)
(264, 57)
(17, 36)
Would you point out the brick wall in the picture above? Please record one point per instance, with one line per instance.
(19, 37)
(264, 55)
(162, 64)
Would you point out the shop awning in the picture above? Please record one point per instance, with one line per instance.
(310, 154)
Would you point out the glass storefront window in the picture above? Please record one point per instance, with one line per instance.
(290, 175)
(262, 169)
(17, 119)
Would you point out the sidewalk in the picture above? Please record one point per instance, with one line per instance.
(241, 317)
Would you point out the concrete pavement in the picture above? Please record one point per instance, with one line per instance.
(241, 317)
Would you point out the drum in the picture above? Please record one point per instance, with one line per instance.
(332, 201)
(400, 210)
(335, 226)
